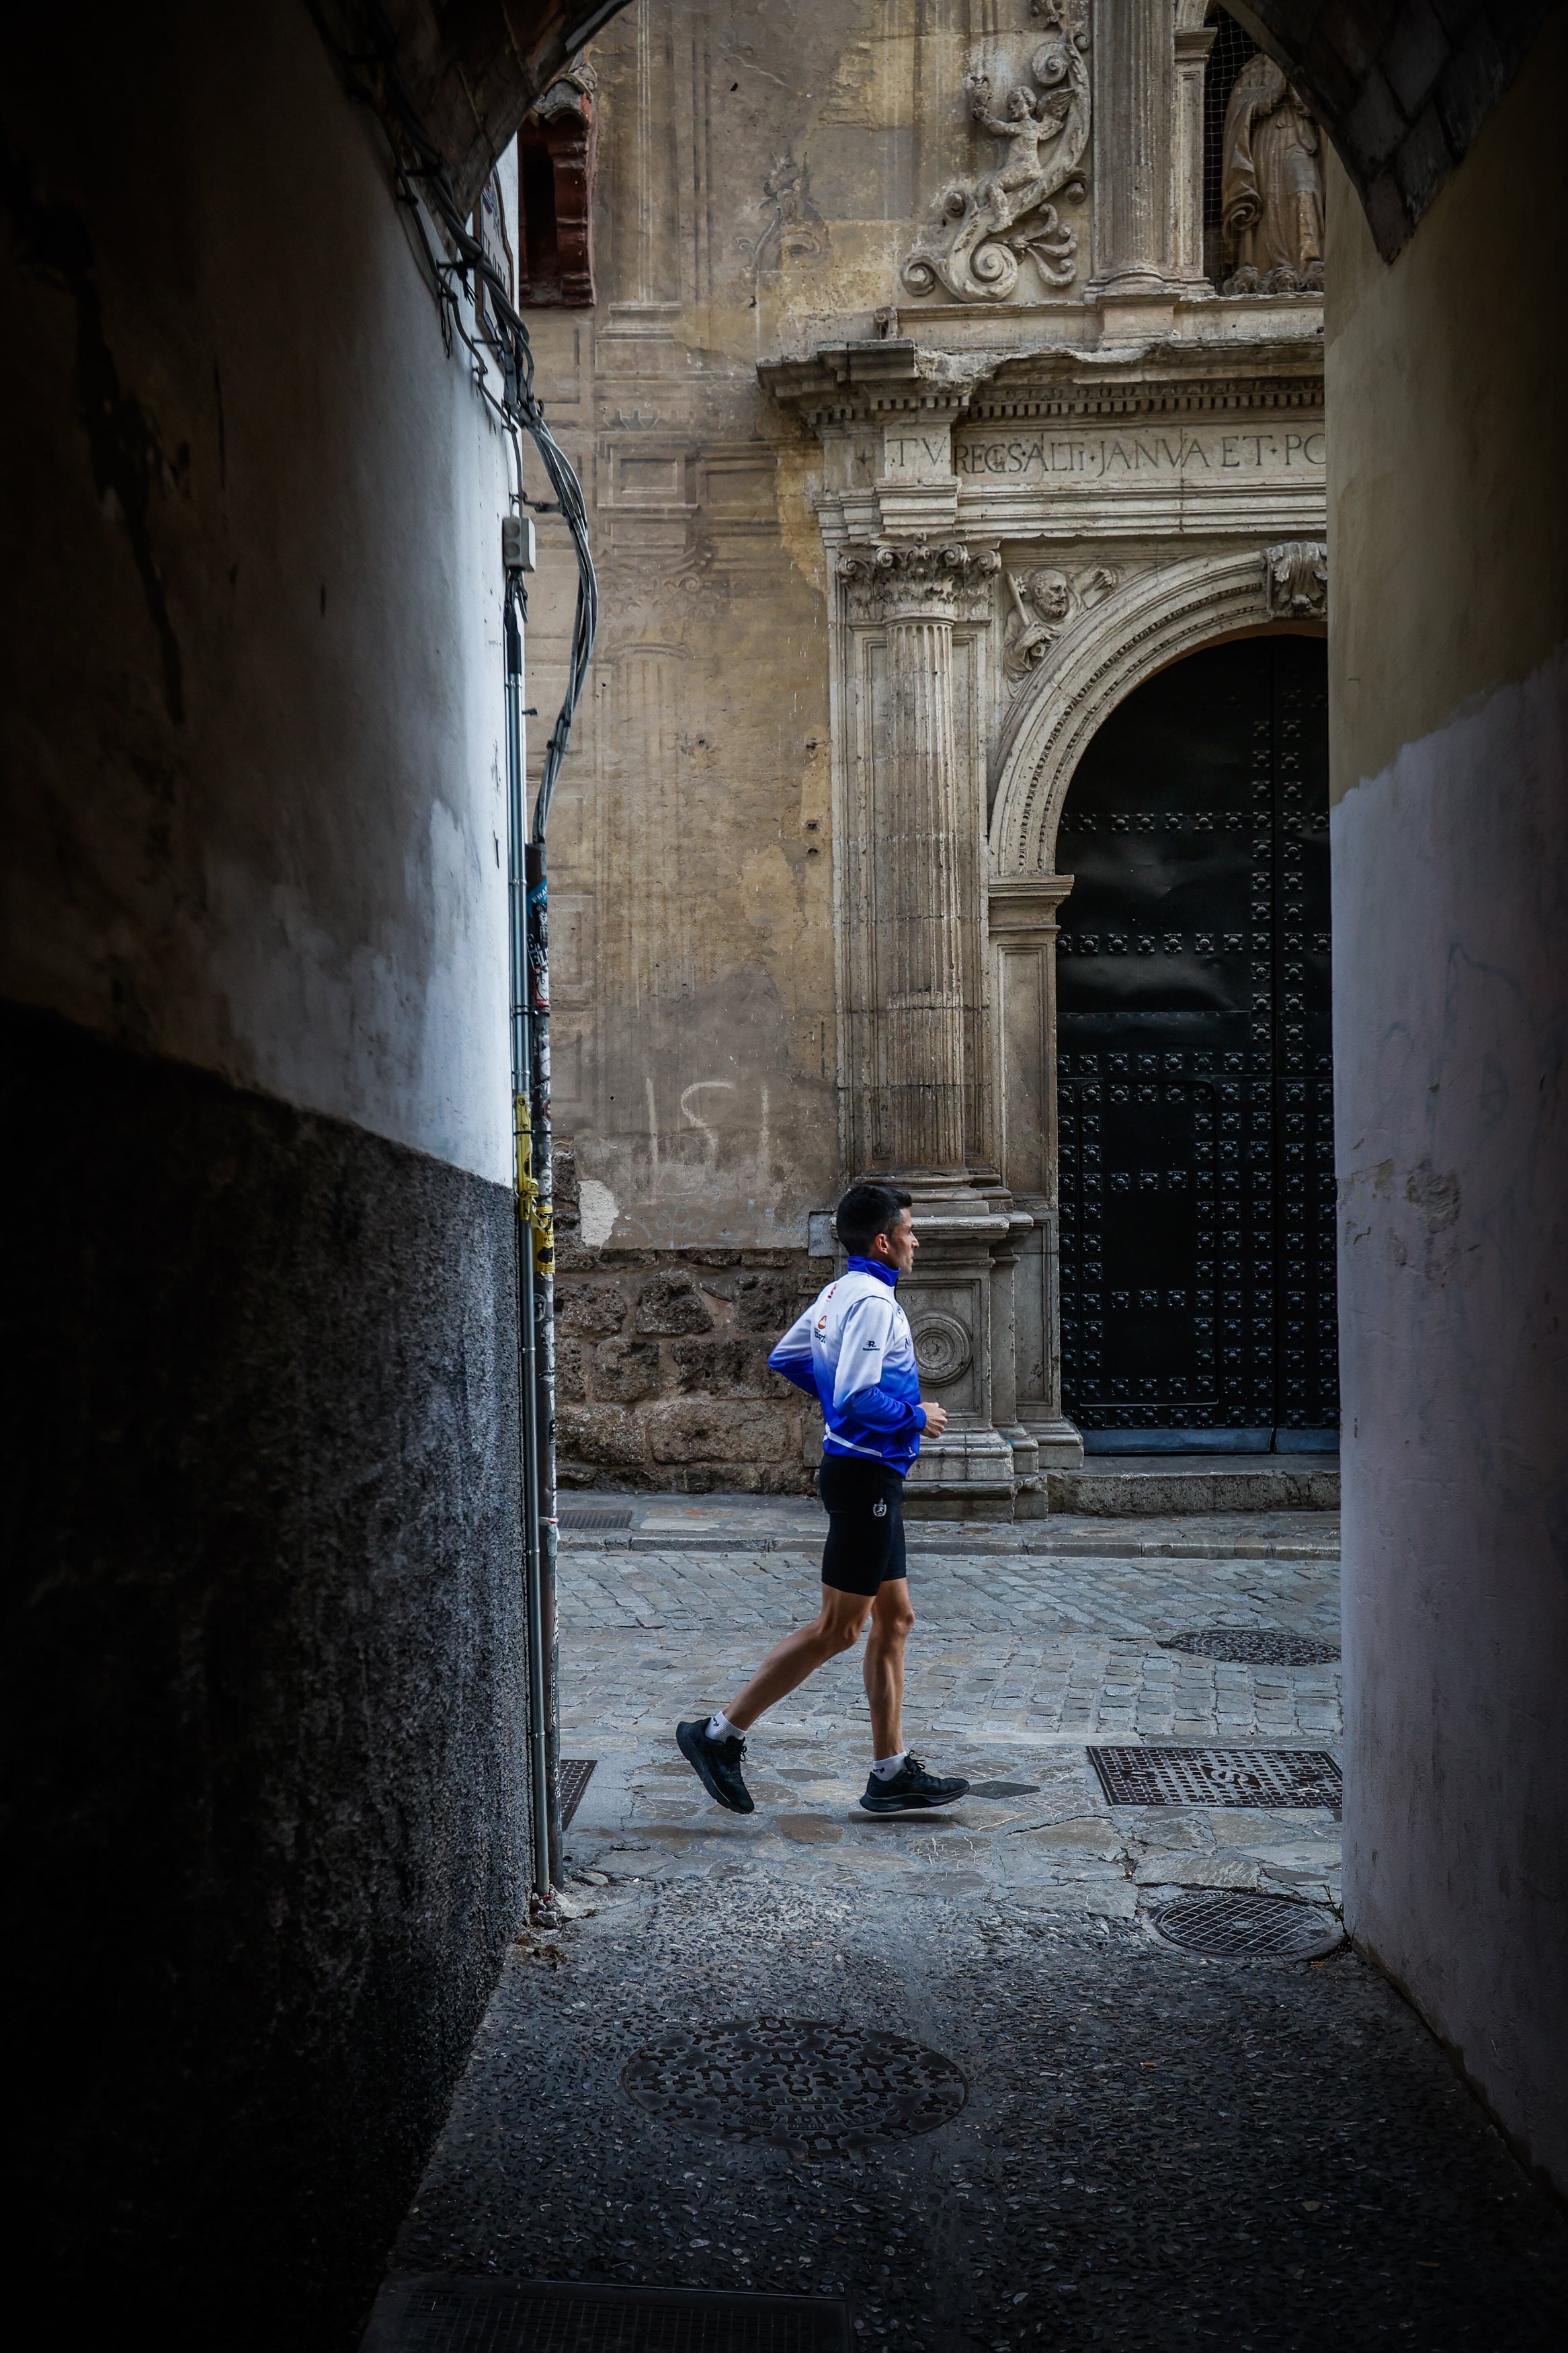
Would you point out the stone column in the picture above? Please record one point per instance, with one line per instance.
(1135, 70)
(917, 925)
(907, 917)
(1194, 39)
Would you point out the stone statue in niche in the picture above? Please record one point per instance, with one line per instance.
(1272, 188)
(1043, 603)
(990, 223)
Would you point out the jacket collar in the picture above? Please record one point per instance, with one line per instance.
(888, 1275)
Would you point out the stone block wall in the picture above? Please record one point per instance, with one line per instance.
(661, 1364)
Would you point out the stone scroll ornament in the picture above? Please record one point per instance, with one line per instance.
(989, 223)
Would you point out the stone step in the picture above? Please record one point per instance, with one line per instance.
(1172, 1486)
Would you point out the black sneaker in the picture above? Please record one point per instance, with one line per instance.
(717, 1765)
(909, 1789)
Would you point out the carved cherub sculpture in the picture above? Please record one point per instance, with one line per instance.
(1001, 215)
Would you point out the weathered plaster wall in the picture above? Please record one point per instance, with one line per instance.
(263, 1639)
(1450, 691)
(253, 783)
(719, 858)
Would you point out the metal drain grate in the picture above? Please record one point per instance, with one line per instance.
(1005, 1789)
(593, 1524)
(1254, 1646)
(1224, 1926)
(1219, 1776)
(803, 2084)
(576, 1772)
(435, 2314)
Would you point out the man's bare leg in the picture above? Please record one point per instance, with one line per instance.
(891, 1619)
(834, 1629)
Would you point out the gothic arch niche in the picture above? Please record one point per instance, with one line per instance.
(1177, 1151)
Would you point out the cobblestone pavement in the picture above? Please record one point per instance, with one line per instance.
(1012, 1666)
(1154, 2150)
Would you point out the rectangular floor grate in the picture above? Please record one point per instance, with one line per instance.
(593, 1524)
(435, 2313)
(1219, 1776)
(576, 1772)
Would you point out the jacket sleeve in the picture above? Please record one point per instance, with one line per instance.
(792, 1357)
(859, 1395)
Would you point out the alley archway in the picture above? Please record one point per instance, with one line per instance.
(1195, 1061)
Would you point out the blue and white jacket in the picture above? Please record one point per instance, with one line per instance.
(852, 1351)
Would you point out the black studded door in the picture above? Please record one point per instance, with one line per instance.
(1194, 1070)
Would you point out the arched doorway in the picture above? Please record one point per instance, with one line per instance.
(1195, 1061)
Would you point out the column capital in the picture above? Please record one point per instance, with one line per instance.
(918, 580)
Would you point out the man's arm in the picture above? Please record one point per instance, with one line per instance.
(792, 1356)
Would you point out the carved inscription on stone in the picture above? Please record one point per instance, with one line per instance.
(1201, 452)
(990, 223)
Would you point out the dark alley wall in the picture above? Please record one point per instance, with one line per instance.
(263, 1640)
(261, 1656)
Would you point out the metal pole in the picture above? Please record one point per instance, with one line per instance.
(543, 1201)
(539, 1679)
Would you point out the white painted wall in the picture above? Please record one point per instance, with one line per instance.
(301, 882)
(1451, 1065)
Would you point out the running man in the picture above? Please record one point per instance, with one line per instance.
(852, 1351)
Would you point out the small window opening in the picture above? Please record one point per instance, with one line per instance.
(556, 196)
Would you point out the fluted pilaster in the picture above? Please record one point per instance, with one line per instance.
(1134, 53)
(918, 925)
(914, 916)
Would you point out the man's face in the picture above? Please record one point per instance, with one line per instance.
(897, 1248)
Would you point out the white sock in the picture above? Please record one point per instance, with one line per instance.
(720, 1728)
(885, 1767)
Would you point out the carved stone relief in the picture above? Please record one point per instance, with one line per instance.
(1272, 190)
(991, 222)
(797, 230)
(1296, 579)
(1042, 602)
(653, 603)
(884, 580)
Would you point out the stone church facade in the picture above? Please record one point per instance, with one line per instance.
(944, 384)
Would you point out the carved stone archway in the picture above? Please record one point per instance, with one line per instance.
(1152, 620)
(1147, 623)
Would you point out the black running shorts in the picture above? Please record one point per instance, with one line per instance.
(864, 1501)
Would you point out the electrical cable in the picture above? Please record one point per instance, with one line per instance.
(460, 277)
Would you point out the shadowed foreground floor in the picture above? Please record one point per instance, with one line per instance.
(1152, 2150)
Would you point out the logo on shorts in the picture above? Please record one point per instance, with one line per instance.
(879, 1511)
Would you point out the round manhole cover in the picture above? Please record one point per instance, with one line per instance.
(1254, 1646)
(800, 2083)
(1224, 1925)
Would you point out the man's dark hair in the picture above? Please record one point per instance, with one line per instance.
(866, 1211)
